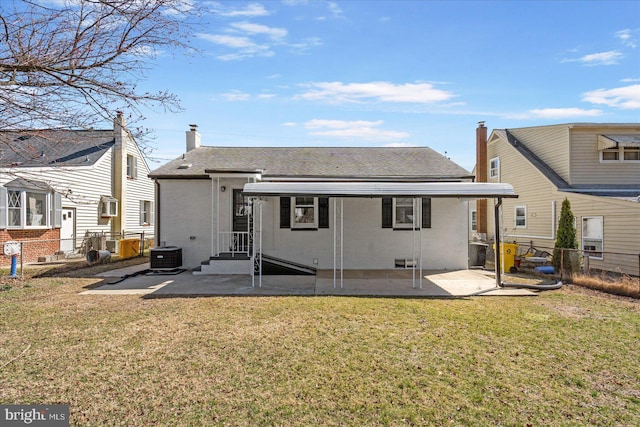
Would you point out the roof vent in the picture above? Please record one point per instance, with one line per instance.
(184, 166)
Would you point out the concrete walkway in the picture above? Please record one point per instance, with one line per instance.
(386, 283)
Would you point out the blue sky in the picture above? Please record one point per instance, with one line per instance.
(397, 73)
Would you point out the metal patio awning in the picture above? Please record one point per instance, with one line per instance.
(470, 190)
(615, 141)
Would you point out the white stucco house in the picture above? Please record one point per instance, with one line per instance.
(57, 185)
(315, 207)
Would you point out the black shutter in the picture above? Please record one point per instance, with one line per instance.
(285, 212)
(387, 212)
(426, 212)
(323, 212)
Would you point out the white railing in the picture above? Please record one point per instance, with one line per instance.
(234, 242)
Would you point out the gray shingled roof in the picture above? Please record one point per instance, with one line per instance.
(54, 147)
(329, 162)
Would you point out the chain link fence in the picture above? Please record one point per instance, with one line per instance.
(618, 272)
(93, 247)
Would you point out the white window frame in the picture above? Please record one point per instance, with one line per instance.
(522, 217)
(44, 215)
(146, 212)
(108, 207)
(474, 220)
(409, 225)
(494, 170)
(620, 152)
(295, 206)
(582, 243)
(132, 166)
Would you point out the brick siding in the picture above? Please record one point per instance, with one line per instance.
(36, 243)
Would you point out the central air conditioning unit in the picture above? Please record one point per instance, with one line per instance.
(167, 257)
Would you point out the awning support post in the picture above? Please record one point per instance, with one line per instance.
(496, 227)
(338, 238)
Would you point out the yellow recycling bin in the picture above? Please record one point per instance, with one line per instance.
(129, 248)
(508, 256)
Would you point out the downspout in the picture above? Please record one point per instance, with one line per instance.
(157, 214)
(496, 215)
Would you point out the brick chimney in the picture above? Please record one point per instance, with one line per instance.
(481, 176)
(193, 138)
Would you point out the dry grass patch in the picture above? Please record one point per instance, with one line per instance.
(623, 285)
(567, 357)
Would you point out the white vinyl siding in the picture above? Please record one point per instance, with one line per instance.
(132, 166)
(146, 212)
(139, 189)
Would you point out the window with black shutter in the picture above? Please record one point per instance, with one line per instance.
(285, 212)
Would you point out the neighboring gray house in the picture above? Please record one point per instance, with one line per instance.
(60, 184)
(595, 165)
(316, 207)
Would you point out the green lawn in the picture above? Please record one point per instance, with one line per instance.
(568, 357)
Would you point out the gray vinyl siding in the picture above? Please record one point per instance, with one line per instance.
(140, 188)
(550, 144)
(585, 159)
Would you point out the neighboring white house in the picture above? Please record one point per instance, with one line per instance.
(61, 184)
(594, 165)
(358, 208)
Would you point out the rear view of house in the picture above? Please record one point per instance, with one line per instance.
(595, 165)
(315, 207)
(58, 185)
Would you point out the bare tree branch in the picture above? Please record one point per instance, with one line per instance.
(72, 64)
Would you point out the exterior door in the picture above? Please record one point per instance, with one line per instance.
(68, 230)
(240, 220)
(240, 211)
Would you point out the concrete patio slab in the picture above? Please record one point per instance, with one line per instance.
(387, 283)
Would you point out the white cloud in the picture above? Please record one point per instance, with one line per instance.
(266, 95)
(335, 10)
(362, 129)
(250, 39)
(253, 29)
(303, 46)
(236, 95)
(626, 98)
(245, 46)
(602, 58)
(250, 10)
(626, 37)
(337, 92)
(561, 113)
(290, 124)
